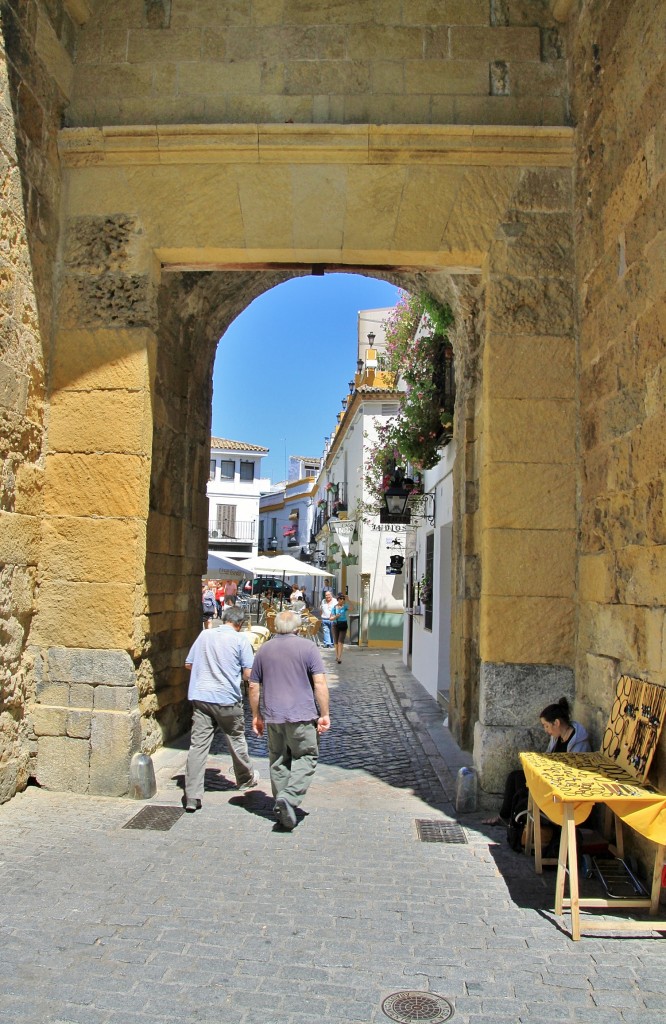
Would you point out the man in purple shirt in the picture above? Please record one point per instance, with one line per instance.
(289, 673)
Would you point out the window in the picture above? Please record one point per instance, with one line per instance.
(212, 469)
(227, 469)
(247, 471)
(261, 534)
(226, 520)
(429, 564)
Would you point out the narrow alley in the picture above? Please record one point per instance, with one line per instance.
(226, 918)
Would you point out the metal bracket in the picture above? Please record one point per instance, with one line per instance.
(425, 510)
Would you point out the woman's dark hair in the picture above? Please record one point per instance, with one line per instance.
(559, 710)
(341, 597)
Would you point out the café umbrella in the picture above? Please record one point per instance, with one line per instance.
(287, 565)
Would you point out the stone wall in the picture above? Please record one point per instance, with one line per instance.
(36, 41)
(345, 61)
(617, 82)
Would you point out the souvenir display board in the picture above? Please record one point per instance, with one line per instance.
(634, 725)
(581, 780)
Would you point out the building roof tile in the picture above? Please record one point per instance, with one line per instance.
(235, 446)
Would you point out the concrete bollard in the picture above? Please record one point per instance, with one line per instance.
(466, 790)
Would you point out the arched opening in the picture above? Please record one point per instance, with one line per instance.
(195, 310)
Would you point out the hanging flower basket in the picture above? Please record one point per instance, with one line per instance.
(333, 549)
(293, 516)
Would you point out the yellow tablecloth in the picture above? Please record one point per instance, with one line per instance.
(585, 779)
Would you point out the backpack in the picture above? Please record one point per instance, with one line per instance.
(209, 604)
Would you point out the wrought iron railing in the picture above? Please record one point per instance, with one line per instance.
(240, 530)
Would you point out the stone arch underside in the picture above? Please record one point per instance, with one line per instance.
(168, 234)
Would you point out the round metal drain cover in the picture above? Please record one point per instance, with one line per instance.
(406, 1007)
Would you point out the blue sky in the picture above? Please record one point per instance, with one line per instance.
(283, 366)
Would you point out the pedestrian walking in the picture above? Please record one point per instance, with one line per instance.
(208, 606)
(219, 661)
(339, 623)
(288, 674)
(325, 609)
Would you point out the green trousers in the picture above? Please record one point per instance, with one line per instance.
(293, 752)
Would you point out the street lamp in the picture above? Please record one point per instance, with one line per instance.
(396, 497)
(344, 403)
(371, 339)
(359, 366)
(352, 387)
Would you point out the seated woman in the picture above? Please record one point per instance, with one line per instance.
(566, 737)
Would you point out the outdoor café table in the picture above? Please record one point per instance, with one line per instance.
(566, 787)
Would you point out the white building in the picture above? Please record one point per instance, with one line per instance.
(286, 511)
(352, 545)
(234, 486)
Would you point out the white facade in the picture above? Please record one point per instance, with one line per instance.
(427, 637)
(350, 544)
(286, 513)
(234, 486)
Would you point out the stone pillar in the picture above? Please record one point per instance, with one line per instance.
(527, 474)
(90, 627)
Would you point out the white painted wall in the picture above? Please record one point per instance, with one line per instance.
(431, 648)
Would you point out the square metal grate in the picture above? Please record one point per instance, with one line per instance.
(440, 831)
(159, 819)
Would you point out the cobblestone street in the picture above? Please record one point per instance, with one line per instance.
(226, 918)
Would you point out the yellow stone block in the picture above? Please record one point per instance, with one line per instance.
(101, 421)
(527, 630)
(53, 54)
(528, 496)
(29, 496)
(372, 207)
(212, 78)
(96, 191)
(641, 574)
(451, 77)
(528, 366)
(479, 206)
(503, 43)
(596, 575)
(427, 201)
(536, 563)
(93, 550)
(96, 485)
(267, 205)
(530, 430)
(19, 539)
(99, 615)
(384, 42)
(314, 185)
(84, 360)
(185, 204)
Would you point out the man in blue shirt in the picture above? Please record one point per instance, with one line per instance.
(289, 673)
(219, 661)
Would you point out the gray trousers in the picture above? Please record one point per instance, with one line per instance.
(293, 752)
(206, 718)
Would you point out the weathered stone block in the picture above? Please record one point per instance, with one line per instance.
(530, 367)
(515, 695)
(78, 724)
(596, 578)
(49, 721)
(63, 763)
(77, 614)
(527, 630)
(114, 698)
(81, 695)
(93, 550)
(19, 539)
(47, 692)
(531, 430)
(539, 563)
(101, 421)
(496, 750)
(90, 667)
(495, 43)
(454, 77)
(103, 359)
(530, 306)
(115, 737)
(116, 485)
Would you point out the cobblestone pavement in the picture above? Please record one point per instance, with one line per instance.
(226, 919)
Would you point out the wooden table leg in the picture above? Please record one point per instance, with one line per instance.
(561, 871)
(660, 854)
(538, 846)
(572, 857)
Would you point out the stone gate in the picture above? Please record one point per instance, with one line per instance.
(213, 149)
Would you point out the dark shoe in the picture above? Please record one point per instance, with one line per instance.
(285, 813)
(192, 805)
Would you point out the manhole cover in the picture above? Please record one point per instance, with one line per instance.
(408, 1006)
(440, 831)
(160, 819)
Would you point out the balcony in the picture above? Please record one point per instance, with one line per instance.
(334, 503)
(241, 530)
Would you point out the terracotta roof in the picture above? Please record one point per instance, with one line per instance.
(368, 389)
(235, 446)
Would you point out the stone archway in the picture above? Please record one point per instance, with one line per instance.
(169, 232)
